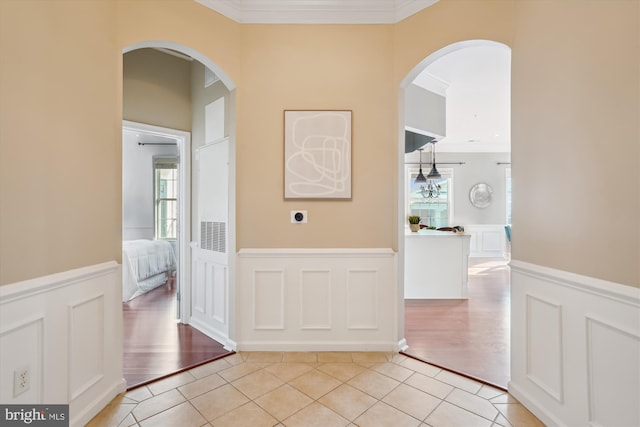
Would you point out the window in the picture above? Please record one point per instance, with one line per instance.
(165, 171)
(435, 211)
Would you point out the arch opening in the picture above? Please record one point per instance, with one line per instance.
(453, 150)
(219, 327)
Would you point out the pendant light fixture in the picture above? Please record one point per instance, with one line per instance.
(420, 179)
(433, 173)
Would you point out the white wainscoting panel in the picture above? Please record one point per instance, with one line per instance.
(613, 359)
(544, 325)
(575, 347)
(86, 344)
(27, 335)
(362, 299)
(268, 304)
(209, 293)
(487, 240)
(317, 299)
(67, 329)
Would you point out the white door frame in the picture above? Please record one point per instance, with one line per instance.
(183, 140)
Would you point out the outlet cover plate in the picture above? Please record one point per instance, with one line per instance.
(21, 381)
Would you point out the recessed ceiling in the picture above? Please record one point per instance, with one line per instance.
(317, 11)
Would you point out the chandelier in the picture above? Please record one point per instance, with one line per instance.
(431, 190)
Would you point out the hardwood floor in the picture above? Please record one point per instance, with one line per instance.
(467, 336)
(155, 344)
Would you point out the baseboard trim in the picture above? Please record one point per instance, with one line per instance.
(317, 346)
(210, 332)
(535, 407)
(90, 411)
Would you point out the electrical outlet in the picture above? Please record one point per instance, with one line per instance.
(21, 381)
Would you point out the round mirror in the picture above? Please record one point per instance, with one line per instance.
(480, 195)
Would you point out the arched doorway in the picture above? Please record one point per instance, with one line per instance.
(211, 127)
(473, 147)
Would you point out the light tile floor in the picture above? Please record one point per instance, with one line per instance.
(315, 389)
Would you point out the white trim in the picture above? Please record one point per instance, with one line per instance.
(174, 53)
(85, 414)
(312, 252)
(228, 82)
(45, 284)
(183, 140)
(317, 12)
(432, 83)
(533, 405)
(319, 346)
(614, 291)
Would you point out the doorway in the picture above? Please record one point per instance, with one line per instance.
(472, 131)
(199, 80)
(143, 147)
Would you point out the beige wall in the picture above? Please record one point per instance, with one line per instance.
(316, 67)
(60, 133)
(575, 92)
(576, 137)
(181, 21)
(157, 89)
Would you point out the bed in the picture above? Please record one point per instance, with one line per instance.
(146, 264)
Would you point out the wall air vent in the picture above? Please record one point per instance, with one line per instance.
(213, 236)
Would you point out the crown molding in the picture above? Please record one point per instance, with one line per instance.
(435, 84)
(318, 11)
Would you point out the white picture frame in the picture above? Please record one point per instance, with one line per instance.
(317, 154)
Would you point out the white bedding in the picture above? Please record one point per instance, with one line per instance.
(146, 265)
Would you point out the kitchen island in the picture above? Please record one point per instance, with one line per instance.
(436, 264)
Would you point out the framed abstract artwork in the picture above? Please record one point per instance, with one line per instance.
(317, 154)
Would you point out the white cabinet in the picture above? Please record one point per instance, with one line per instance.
(435, 265)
